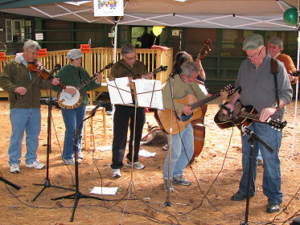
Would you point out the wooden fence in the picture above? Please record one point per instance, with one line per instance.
(98, 58)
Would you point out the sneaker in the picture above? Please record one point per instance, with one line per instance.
(181, 180)
(273, 207)
(136, 165)
(36, 164)
(14, 168)
(115, 173)
(166, 185)
(79, 155)
(166, 147)
(239, 196)
(70, 161)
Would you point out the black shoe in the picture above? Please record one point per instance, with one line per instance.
(273, 207)
(239, 196)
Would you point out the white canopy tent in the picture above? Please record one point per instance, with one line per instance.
(230, 14)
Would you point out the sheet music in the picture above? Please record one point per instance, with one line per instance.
(147, 90)
(117, 88)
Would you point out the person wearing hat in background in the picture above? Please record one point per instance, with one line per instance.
(73, 74)
(275, 48)
(257, 85)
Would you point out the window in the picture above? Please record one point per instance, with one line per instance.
(14, 30)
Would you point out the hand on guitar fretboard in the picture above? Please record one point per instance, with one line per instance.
(244, 115)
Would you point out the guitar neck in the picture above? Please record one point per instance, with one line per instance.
(270, 121)
(204, 101)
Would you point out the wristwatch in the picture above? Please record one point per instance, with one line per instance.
(275, 105)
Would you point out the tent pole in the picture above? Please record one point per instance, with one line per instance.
(297, 85)
(115, 42)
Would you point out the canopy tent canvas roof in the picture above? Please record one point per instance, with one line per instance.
(226, 14)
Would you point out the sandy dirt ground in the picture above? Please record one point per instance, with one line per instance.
(140, 198)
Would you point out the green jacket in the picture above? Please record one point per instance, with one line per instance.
(15, 75)
(69, 75)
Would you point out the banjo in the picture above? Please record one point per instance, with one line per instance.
(67, 101)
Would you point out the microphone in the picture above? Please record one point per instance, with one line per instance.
(93, 111)
(56, 67)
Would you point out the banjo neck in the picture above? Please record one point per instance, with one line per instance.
(94, 76)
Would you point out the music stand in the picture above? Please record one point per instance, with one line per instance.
(77, 194)
(246, 131)
(47, 183)
(145, 94)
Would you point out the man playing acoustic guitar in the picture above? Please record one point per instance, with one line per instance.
(268, 92)
(182, 141)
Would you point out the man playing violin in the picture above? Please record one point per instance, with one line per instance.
(129, 67)
(24, 88)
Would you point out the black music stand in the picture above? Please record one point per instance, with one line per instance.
(252, 138)
(121, 92)
(77, 195)
(47, 183)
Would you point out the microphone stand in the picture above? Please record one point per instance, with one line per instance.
(47, 183)
(77, 195)
(10, 183)
(168, 201)
(252, 138)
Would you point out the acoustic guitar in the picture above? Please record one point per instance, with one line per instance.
(163, 117)
(244, 115)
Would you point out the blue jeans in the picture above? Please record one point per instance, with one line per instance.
(72, 118)
(182, 152)
(28, 120)
(272, 174)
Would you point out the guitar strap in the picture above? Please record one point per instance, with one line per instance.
(274, 71)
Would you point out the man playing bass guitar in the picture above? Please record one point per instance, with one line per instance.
(183, 142)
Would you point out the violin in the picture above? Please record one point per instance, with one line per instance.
(33, 67)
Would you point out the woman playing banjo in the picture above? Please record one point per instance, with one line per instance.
(73, 75)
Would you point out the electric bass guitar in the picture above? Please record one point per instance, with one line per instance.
(67, 101)
(244, 115)
(163, 117)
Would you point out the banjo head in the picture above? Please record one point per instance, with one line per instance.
(67, 101)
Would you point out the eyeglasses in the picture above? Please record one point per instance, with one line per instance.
(255, 55)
